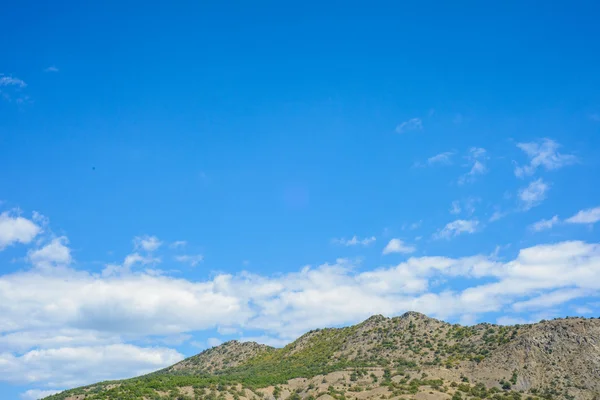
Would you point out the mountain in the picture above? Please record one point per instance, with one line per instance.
(407, 357)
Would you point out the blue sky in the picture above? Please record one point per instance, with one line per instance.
(175, 176)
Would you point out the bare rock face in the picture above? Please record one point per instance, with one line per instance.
(228, 355)
(561, 354)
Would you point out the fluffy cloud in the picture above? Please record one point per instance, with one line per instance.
(397, 246)
(550, 299)
(130, 261)
(54, 254)
(192, 260)
(23, 340)
(16, 229)
(533, 194)
(498, 215)
(227, 330)
(413, 124)
(476, 160)
(63, 327)
(545, 224)
(583, 310)
(543, 154)
(212, 342)
(143, 304)
(589, 216)
(36, 394)
(146, 243)
(456, 228)
(63, 367)
(130, 304)
(136, 258)
(355, 240)
(444, 158)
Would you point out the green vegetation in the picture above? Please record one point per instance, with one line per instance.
(400, 349)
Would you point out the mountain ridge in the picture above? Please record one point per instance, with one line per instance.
(549, 359)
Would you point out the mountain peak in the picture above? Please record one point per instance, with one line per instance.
(374, 319)
(414, 315)
(412, 356)
(225, 356)
(409, 315)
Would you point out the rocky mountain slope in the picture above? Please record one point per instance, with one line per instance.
(407, 357)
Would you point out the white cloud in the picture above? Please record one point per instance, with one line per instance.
(171, 340)
(21, 341)
(455, 207)
(136, 258)
(583, 310)
(40, 219)
(468, 319)
(36, 394)
(51, 68)
(543, 153)
(412, 226)
(208, 343)
(131, 304)
(10, 87)
(178, 244)
(467, 205)
(497, 215)
(413, 124)
(16, 229)
(545, 224)
(192, 260)
(355, 241)
(398, 246)
(213, 342)
(147, 243)
(415, 225)
(549, 299)
(476, 160)
(10, 81)
(73, 366)
(510, 320)
(61, 328)
(533, 194)
(54, 254)
(227, 330)
(444, 158)
(457, 227)
(130, 261)
(589, 216)
(198, 345)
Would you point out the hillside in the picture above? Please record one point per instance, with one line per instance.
(410, 356)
